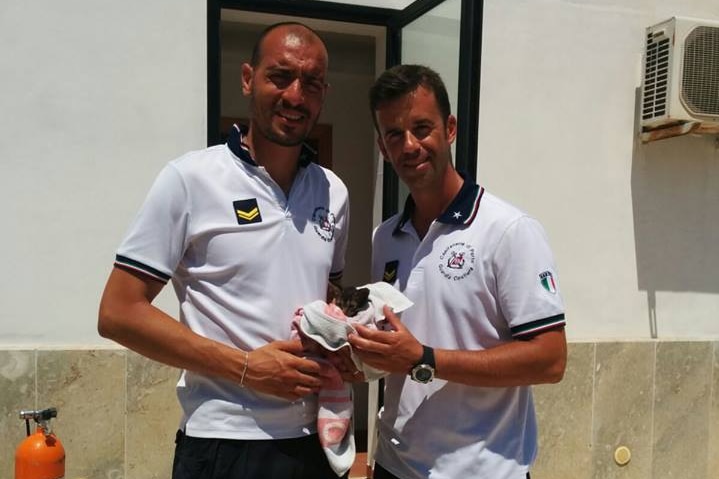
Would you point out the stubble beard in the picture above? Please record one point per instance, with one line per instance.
(267, 131)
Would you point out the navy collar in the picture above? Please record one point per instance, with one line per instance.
(236, 144)
(461, 211)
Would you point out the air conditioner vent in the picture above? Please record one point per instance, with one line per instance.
(656, 77)
(680, 79)
(700, 77)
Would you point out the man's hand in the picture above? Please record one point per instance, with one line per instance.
(342, 361)
(279, 369)
(392, 351)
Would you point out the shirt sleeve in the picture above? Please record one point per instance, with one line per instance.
(156, 240)
(527, 282)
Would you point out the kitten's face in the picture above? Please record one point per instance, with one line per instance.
(351, 300)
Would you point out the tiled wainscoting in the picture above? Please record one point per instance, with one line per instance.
(118, 414)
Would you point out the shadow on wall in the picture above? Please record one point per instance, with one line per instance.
(675, 195)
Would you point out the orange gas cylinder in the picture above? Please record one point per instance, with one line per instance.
(40, 455)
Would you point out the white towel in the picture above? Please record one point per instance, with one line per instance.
(331, 333)
(327, 326)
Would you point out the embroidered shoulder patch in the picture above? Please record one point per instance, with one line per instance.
(547, 281)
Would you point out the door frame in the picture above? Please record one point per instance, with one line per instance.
(469, 74)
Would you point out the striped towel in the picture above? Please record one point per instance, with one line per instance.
(324, 326)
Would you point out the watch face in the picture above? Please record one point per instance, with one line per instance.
(423, 373)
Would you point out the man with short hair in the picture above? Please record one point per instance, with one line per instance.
(488, 319)
(247, 232)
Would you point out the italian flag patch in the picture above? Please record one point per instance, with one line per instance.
(547, 281)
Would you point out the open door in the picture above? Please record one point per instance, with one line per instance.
(430, 33)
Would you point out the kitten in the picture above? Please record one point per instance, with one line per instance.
(350, 300)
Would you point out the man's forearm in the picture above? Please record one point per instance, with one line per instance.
(128, 317)
(538, 360)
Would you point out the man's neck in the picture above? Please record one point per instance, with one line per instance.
(430, 203)
(280, 162)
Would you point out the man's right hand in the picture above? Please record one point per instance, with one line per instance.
(279, 369)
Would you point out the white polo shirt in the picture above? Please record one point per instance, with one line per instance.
(482, 276)
(242, 258)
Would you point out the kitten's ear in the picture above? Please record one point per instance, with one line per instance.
(348, 294)
(333, 292)
(363, 295)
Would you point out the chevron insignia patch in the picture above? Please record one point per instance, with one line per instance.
(247, 211)
(390, 272)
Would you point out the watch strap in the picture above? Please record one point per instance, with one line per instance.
(427, 357)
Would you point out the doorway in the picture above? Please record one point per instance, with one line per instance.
(418, 32)
(362, 41)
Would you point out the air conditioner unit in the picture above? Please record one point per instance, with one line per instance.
(680, 81)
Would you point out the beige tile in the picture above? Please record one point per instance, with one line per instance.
(564, 414)
(623, 400)
(17, 392)
(153, 415)
(88, 388)
(713, 464)
(681, 410)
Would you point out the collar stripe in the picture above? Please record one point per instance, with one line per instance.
(237, 145)
(462, 210)
(475, 207)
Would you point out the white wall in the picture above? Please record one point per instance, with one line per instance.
(634, 227)
(95, 98)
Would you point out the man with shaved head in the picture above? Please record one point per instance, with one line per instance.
(247, 232)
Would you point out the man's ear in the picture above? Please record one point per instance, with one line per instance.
(451, 128)
(247, 73)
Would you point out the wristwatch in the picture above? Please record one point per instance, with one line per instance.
(423, 371)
